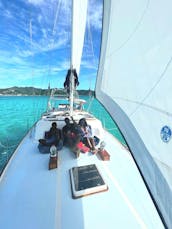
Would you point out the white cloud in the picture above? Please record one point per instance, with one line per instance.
(36, 2)
(61, 66)
(40, 18)
(50, 37)
(91, 64)
(95, 14)
(7, 14)
(6, 59)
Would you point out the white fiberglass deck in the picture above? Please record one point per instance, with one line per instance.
(33, 197)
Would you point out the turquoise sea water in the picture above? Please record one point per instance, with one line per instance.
(19, 113)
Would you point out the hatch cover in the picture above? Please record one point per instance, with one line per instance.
(86, 180)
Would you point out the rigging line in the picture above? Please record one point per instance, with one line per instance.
(145, 105)
(56, 15)
(53, 34)
(90, 103)
(153, 88)
(133, 32)
(36, 103)
(30, 33)
(90, 38)
(32, 55)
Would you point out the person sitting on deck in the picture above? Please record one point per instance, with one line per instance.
(67, 131)
(72, 135)
(87, 137)
(52, 137)
(67, 80)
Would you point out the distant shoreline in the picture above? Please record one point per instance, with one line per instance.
(31, 91)
(21, 95)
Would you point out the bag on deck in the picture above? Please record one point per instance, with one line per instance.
(82, 147)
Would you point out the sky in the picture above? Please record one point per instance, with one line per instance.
(35, 43)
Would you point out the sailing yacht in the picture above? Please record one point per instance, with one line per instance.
(132, 189)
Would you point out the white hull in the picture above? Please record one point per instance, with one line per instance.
(31, 196)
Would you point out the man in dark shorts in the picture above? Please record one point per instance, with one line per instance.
(52, 137)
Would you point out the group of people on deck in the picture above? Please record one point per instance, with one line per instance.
(70, 135)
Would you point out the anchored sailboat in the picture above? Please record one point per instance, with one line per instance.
(36, 197)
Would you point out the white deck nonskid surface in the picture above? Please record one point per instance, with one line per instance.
(31, 196)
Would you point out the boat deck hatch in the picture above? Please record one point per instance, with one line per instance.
(86, 180)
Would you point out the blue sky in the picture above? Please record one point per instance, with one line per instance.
(35, 44)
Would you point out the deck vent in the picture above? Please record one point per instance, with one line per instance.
(86, 180)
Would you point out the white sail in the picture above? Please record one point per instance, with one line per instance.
(79, 17)
(134, 84)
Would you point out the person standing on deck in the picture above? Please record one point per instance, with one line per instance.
(67, 80)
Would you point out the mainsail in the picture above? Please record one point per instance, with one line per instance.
(134, 84)
(79, 16)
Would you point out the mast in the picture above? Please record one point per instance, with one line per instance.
(71, 64)
(71, 97)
